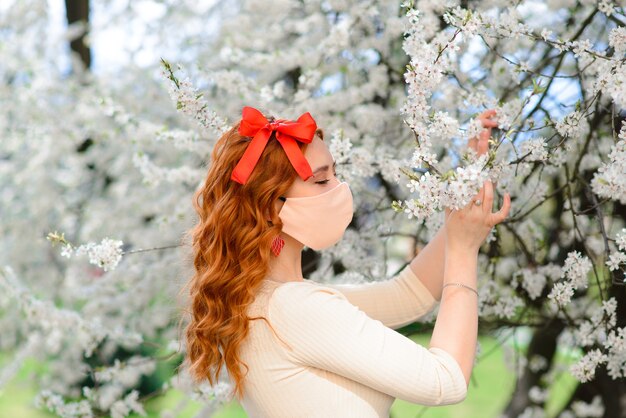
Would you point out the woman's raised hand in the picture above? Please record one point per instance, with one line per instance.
(480, 143)
(468, 227)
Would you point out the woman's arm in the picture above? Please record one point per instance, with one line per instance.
(387, 300)
(456, 327)
(429, 263)
(406, 297)
(396, 302)
(318, 327)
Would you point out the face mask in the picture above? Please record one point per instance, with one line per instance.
(318, 221)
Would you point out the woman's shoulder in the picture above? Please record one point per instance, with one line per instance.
(301, 289)
(305, 300)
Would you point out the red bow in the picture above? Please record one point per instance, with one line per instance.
(254, 124)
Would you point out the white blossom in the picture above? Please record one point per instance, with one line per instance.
(107, 254)
(533, 282)
(340, 146)
(593, 409)
(570, 125)
(616, 344)
(536, 148)
(118, 149)
(562, 293)
(576, 268)
(620, 239)
(609, 181)
(55, 403)
(537, 394)
(123, 407)
(187, 101)
(616, 259)
(585, 369)
(617, 39)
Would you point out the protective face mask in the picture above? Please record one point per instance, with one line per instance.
(318, 221)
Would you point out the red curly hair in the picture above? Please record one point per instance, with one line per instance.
(231, 250)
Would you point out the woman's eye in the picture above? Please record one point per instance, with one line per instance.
(327, 180)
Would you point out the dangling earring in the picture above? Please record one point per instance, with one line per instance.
(277, 245)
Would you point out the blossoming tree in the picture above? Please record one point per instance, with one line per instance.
(99, 167)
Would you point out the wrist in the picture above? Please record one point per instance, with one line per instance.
(461, 251)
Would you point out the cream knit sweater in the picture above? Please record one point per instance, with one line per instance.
(336, 354)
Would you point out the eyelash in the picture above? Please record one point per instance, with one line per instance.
(327, 180)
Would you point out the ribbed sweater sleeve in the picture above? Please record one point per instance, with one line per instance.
(321, 328)
(395, 302)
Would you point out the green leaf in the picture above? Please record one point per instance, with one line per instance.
(537, 87)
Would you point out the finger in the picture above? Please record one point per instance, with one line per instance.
(449, 214)
(488, 113)
(488, 196)
(501, 215)
(487, 118)
(483, 145)
(482, 190)
(486, 121)
(489, 123)
(480, 195)
(473, 144)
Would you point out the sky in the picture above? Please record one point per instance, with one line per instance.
(114, 43)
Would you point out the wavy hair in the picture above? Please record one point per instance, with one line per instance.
(231, 249)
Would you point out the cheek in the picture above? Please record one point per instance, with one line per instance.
(308, 189)
(278, 205)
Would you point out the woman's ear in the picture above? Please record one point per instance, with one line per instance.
(278, 204)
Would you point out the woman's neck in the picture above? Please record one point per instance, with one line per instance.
(287, 267)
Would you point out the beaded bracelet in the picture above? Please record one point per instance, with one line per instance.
(461, 284)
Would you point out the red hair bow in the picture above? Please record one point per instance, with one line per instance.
(254, 124)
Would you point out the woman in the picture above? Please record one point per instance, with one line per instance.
(309, 349)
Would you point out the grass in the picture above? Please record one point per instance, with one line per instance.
(489, 392)
(490, 389)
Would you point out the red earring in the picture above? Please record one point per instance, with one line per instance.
(277, 245)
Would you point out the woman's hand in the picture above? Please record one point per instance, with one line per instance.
(469, 226)
(480, 143)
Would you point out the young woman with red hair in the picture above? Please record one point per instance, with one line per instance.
(312, 349)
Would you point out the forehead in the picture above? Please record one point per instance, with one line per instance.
(317, 153)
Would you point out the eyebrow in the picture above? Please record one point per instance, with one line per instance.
(324, 167)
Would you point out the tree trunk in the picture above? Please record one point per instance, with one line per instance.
(78, 10)
(613, 392)
(543, 343)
